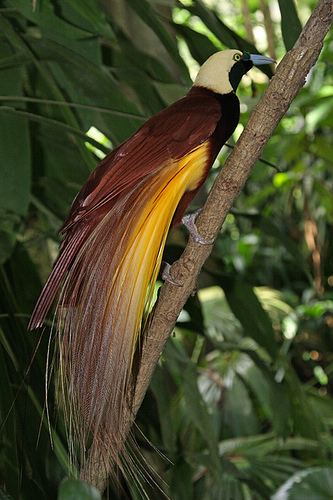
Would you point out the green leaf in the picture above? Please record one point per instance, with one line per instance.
(322, 146)
(15, 161)
(13, 61)
(7, 427)
(263, 444)
(322, 406)
(129, 56)
(269, 227)
(145, 10)
(181, 479)
(248, 310)
(290, 23)
(45, 15)
(4, 495)
(73, 489)
(92, 12)
(9, 227)
(161, 393)
(196, 408)
(200, 46)
(72, 71)
(305, 421)
(281, 407)
(15, 157)
(238, 410)
(169, 92)
(310, 484)
(272, 470)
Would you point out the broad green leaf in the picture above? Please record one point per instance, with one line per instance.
(238, 413)
(229, 488)
(310, 484)
(92, 12)
(14, 160)
(264, 444)
(248, 310)
(181, 479)
(97, 86)
(169, 92)
(13, 61)
(12, 36)
(213, 23)
(316, 117)
(147, 97)
(129, 56)
(163, 400)
(200, 46)
(323, 147)
(322, 406)
(45, 15)
(9, 227)
(72, 489)
(7, 427)
(19, 267)
(196, 409)
(281, 407)
(145, 10)
(48, 82)
(290, 23)
(271, 394)
(273, 470)
(304, 417)
(269, 227)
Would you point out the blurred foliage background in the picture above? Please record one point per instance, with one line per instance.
(240, 406)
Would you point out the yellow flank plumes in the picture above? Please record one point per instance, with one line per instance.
(124, 252)
(142, 259)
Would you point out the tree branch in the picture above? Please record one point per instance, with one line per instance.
(282, 89)
(284, 86)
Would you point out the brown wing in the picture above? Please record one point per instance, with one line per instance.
(171, 134)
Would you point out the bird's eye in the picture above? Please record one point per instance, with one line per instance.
(237, 57)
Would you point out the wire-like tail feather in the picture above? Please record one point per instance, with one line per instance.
(57, 275)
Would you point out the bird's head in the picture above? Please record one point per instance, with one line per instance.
(223, 71)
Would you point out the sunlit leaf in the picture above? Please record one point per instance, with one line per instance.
(308, 484)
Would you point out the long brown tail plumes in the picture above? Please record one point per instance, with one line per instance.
(104, 297)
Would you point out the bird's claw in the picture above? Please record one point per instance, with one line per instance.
(189, 222)
(166, 276)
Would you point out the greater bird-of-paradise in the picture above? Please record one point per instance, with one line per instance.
(114, 236)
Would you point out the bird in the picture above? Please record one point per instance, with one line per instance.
(113, 241)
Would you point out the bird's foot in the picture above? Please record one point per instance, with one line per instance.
(189, 222)
(166, 275)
